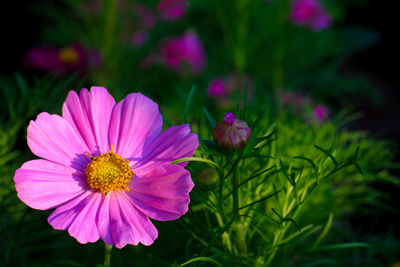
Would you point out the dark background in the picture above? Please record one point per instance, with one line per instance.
(20, 30)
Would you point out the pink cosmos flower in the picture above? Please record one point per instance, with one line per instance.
(73, 58)
(310, 13)
(183, 53)
(172, 9)
(106, 168)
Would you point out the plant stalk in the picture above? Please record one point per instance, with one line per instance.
(107, 255)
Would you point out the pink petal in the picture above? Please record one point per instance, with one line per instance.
(174, 143)
(79, 217)
(134, 122)
(163, 193)
(43, 184)
(120, 223)
(53, 138)
(90, 115)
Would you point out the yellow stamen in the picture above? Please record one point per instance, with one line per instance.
(108, 172)
(68, 55)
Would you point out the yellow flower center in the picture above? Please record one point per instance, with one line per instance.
(108, 172)
(68, 55)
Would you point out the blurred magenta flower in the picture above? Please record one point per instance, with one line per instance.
(183, 53)
(310, 13)
(144, 22)
(217, 87)
(106, 168)
(223, 88)
(298, 101)
(320, 114)
(172, 9)
(73, 58)
(92, 7)
(145, 16)
(140, 37)
(232, 133)
(302, 105)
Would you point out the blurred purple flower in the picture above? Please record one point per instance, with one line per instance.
(172, 9)
(296, 100)
(183, 53)
(223, 88)
(320, 114)
(73, 58)
(217, 87)
(145, 16)
(91, 6)
(310, 13)
(140, 37)
(303, 105)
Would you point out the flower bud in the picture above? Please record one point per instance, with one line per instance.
(232, 133)
(208, 176)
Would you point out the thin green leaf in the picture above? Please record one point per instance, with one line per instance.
(261, 141)
(343, 246)
(286, 174)
(212, 122)
(21, 83)
(218, 236)
(321, 262)
(257, 120)
(296, 234)
(169, 123)
(249, 179)
(260, 200)
(260, 233)
(328, 154)
(201, 259)
(356, 153)
(325, 231)
(312, 165)
(358, 168)
(245, 96)
(195, 159)
(188, 103)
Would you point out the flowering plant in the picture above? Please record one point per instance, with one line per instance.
(106, 168)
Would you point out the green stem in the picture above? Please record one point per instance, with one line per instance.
(110, 9)
(240, 231)
(107, 255)
(235, 194)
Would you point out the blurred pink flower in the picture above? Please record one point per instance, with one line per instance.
(222, 89)
(320, 114)
(183, 54)
(172, 9)
(299, 101)
(310, 13)
(145, 18)
(302, 105)
(217, 87)
(73, 58)
(106, 168)
(140, 37)
(93, 7)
